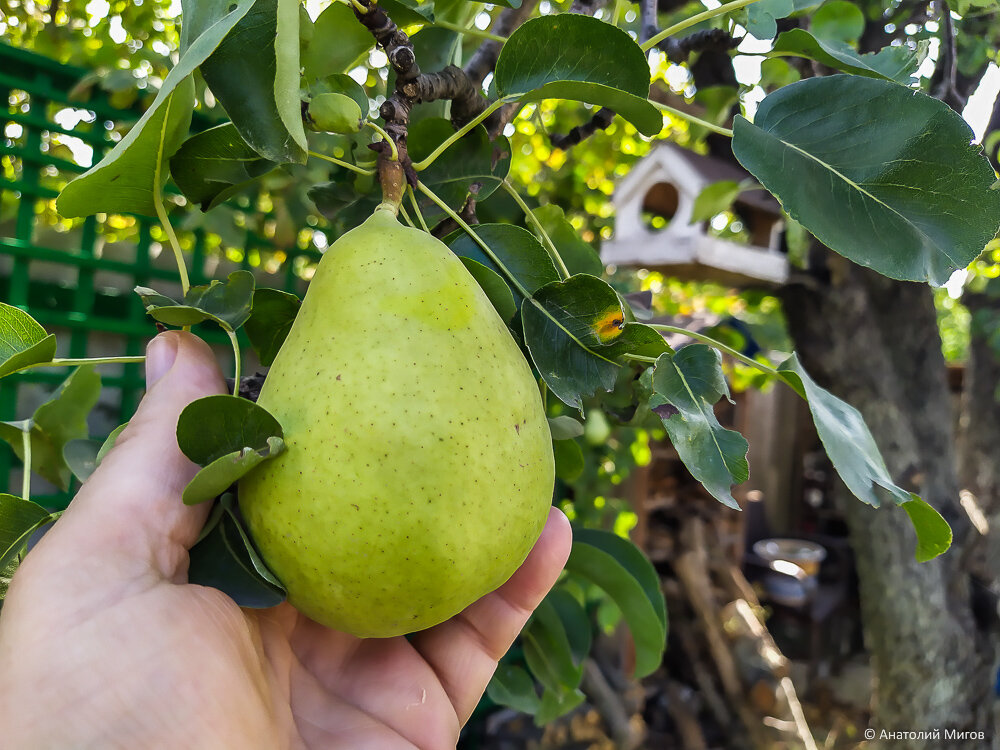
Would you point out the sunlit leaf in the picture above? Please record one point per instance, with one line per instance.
(254, 73)
(566, 56)
(123, 181)
(579, 256)
(892, 63)
(23, 342)
(495, 288)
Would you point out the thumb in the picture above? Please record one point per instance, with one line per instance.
(132, 505)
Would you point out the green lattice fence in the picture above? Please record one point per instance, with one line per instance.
(76, 278)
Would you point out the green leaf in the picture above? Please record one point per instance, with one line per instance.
(891, 63)
(565, 56)
(473, 165)
(763, 14)
(495, 287)
(123, 181)
(212, 166)
(254, 73)
(566, 325)
(933, 532)
(80, 456)
(227, 303)
(575, 622)
(512, 686)
(226, 560)
(565, 428)
(555, 704)
(18, 519)
(853, 452)
(110, 442)
(216, 477)
(845, 437)
(884, 175)
(60, 419)
(270, 321)
(339, 40)
(408, 12)
(547, 650)
(640, 339)
(23, 342)
(579, 256)
(718, 197)
(685, 387)
(517, 249)
(618, 567)
(838, 21)
(568, 457)
(341, 83)
(214, 426)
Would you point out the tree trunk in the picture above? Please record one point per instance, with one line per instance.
(874, 342)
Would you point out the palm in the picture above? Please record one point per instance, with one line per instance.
(101, 629)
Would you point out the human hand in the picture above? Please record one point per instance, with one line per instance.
(104, 644)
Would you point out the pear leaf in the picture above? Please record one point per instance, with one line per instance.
(686, 385)
(216, 477)
(23, 342)
(513, 687)
(214, 165)
(891, 63)
(566, 326)
(626, 575)
(856, 457)
(579, 256)
(519, 255)
(80, 456)
(254, 73)
(213, 427)
(568, 458)
(854, 159)
(225, 559)
(565, 427)
(18, 519)
(60, 419)
(270, 321)
(495, 288)
(560, 57)
(123, 181)
(547, 650)
(227, 303)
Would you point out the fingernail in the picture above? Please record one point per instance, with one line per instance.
(160, 356)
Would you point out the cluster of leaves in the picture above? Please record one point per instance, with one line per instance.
(851, 156)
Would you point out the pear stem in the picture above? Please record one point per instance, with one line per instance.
(392, 177)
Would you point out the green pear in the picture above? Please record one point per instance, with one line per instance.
(335, 113)
(419, 467)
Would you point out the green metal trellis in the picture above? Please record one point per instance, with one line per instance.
(31, 173)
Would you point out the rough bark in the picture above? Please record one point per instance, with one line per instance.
(979, 437)
(874, 342)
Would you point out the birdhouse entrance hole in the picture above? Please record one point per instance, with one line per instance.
(660, 205)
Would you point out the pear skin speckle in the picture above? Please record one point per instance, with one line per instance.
(397, 388)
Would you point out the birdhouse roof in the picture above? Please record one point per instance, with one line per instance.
(693, 171)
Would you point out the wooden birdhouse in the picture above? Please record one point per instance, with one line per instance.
(653, 227)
